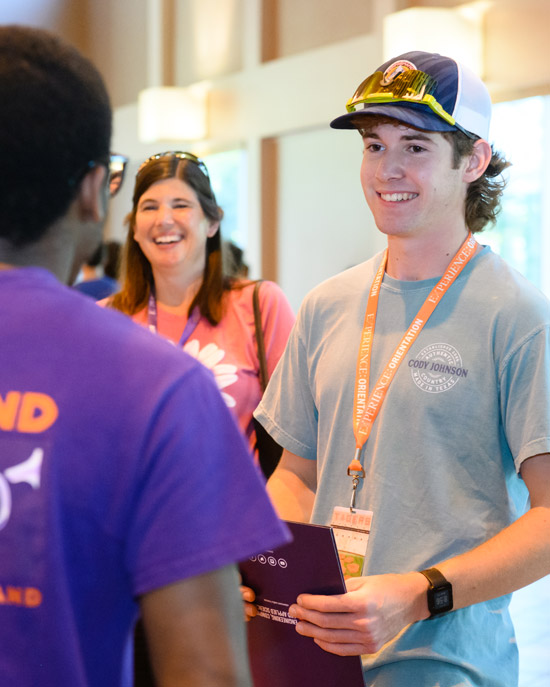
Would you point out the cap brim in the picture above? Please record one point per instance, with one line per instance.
(420, 117)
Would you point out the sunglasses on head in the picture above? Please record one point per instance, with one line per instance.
(409, 86)
(180, 155)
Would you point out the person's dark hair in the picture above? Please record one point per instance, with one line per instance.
(55, 119)
(483, 196)
(96, 258)
(136, 272)
(234, 260)
(111, 260)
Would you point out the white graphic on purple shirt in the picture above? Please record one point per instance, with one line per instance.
(28, 471)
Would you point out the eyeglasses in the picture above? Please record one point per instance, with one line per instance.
(116, 169)
(180, 155)
(410, 86)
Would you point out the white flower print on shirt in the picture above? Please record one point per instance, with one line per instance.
(210, 356)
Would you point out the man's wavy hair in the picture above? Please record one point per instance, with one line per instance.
(55, 119)
(483, 196)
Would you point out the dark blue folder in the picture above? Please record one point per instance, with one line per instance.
(279, 656)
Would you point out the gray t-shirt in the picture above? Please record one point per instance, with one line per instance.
(469, 403)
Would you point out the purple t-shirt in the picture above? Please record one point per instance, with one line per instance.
(112, 483)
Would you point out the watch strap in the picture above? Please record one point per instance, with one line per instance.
(434, 577)
(440, 592)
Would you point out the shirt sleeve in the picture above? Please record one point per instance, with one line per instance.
(525, 397)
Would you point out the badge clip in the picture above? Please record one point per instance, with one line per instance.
(356, 471)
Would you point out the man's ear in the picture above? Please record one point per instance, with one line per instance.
(478, 160)
(90, 201)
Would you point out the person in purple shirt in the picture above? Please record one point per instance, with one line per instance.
(125, 484)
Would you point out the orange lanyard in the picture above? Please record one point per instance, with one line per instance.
(365, 406)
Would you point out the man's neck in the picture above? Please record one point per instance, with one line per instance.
(415, 259)
(49, 253)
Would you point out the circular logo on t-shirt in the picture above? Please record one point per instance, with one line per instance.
(437, 368)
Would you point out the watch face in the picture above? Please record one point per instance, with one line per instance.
(440, 592)
(441, 600)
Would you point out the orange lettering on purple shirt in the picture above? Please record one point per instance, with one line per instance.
(30, 412)
(30, 597)
(33, 597)
(15, 596)
(38, 413)
(8, 410)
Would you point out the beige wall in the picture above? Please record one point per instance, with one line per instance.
(278, 71)
(208, 39)
(112, 34)
(119, 45)
(66, 17)
(324, 223)
(517, 48)
(292, 27)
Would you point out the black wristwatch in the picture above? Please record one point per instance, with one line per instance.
(440, 592)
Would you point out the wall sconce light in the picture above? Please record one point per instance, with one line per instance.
(455, 32)
(170, 113)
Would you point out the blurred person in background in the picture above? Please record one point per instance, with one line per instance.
(235, 264)
(98, 275)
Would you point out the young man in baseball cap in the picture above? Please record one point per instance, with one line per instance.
(413, 400)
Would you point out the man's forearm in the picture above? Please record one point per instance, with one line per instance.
(292, 499)
(292, 487)
(510, 560)
(195, 632)
(513, 558)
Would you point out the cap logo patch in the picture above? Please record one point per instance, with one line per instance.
(395, 69)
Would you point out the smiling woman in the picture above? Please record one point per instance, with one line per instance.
(173, 282)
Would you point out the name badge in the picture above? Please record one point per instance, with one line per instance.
(351, 533)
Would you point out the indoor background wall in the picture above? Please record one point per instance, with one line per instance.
(278, 71)
(64, 17)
